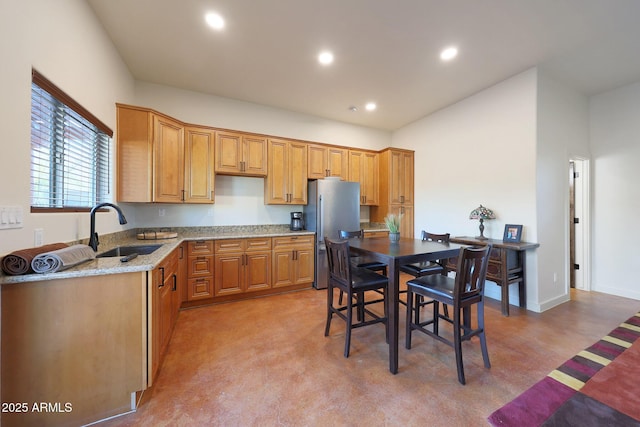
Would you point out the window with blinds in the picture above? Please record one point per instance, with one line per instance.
(70, 159)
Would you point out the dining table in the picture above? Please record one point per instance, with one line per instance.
(395, 254)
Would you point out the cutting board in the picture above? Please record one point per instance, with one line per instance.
(156, 235)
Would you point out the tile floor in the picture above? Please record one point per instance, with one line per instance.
(266, 362)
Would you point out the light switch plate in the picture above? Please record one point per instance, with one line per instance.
(11, 217)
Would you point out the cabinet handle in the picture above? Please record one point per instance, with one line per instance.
(401, 199)
(183, 195)
(181, 252)
(162, 275)
(242, 166)
(213, 196)
(327, 172)
(175, 283)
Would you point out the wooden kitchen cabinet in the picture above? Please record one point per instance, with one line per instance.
(199, 175)
(150, 153)
(286, 182)
(364, 168)
(164, 312)
(161, 160)
(240, 153)
(293, 260)
(325, 161)
(242, 265)
(200, 267)
(396, 189)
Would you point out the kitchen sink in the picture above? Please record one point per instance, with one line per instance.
(128, 250)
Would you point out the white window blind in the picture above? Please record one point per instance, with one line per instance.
(70, 159)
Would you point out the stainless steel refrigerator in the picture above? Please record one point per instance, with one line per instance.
(333, 205)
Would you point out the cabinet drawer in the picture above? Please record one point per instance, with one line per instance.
(200, 266)
(285, 241)
(200, 247)
(374, 234)
(242, 245)
(200, 288)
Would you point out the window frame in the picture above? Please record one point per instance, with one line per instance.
(69, 102)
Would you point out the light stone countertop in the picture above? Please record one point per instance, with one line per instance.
(113, 265)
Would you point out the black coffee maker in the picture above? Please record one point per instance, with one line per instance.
(297, 222)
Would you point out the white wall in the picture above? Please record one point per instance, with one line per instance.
(481, 150)
(85, 65)
(562, 133)
(615, 153)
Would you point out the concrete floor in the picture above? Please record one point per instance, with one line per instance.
(266, 362)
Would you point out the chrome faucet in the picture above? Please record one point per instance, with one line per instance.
(93, 237)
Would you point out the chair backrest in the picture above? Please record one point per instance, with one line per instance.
(339, 264)
(433, 237)
(471, 273)
(344, 234)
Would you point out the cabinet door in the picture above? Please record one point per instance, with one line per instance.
(199, 173)
(276, 191)
(254, 156)
(229, 274)
(401, 178)
(370, 174)
(228, 152)
(283, 268)
(304, 268)
(363, 168)
(406, 221)
(297, 165)
(317, 162)
(338, 162)
(257, 271)
(168, 155)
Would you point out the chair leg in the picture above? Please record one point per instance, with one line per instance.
(347, 339)
(457, 345)
(436, 317)
(340, 298)
(482, 336)
(329, 309)
(408, 329)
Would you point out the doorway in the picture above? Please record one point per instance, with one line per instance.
(579, 265)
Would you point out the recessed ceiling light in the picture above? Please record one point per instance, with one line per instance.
(371, 106)
(214, 20)
(449, 53)
(325, 57)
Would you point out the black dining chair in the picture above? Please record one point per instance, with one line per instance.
(427, 268)
(359, 261)
(352, 281)
(466, 290)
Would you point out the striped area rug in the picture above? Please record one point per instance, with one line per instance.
(600, 386)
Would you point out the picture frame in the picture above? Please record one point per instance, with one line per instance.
(512, 233)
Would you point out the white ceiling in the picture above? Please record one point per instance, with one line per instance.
(386, 51)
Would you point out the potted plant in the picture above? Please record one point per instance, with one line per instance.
(393, 224)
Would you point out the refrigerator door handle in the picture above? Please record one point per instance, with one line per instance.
(320, 219)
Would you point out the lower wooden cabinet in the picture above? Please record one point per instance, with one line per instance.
(199, 270)
(242, 265)
(293, 260)
(233, 269)
(165, 293)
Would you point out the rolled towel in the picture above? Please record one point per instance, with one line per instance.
(19, 262)
(61, 259)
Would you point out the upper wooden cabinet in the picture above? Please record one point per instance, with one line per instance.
(396, 188)
(364, 168)
(199, 176)
(327, 161)
(241, 154)
(400, 164)
(286, 182)
(157, 161)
